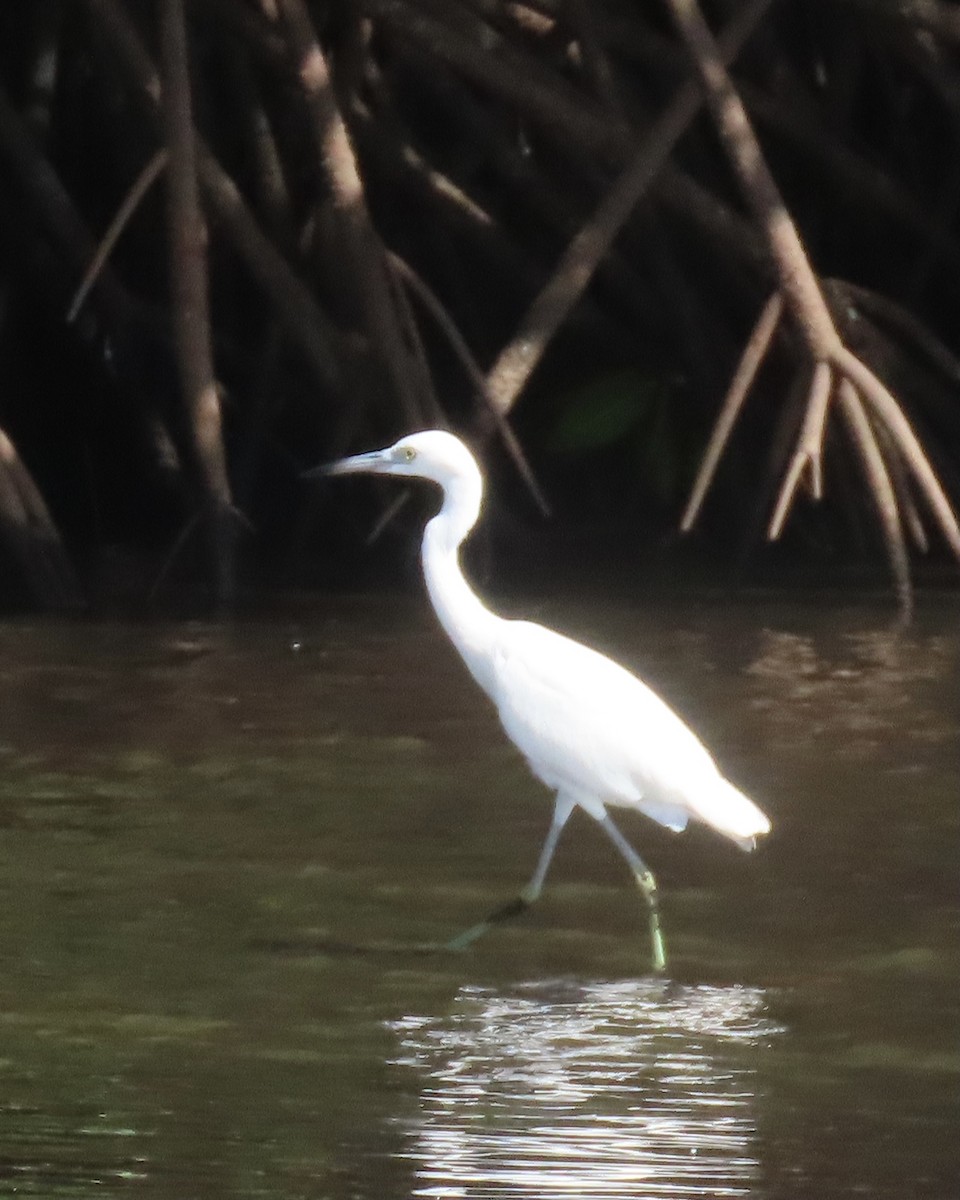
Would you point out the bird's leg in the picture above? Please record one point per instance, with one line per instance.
(561, 814)
(645, 882)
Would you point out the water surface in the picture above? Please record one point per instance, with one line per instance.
(223, 849)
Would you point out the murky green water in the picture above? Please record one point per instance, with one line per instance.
(221, 846)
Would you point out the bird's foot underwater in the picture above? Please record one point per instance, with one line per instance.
(659, 949)
(513, 908)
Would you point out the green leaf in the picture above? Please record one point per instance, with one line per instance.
(603, 411)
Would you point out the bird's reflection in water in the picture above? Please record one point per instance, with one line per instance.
(613, 1089)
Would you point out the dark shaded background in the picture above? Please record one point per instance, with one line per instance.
(478, 190)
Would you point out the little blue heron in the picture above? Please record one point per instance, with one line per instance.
(589, 729)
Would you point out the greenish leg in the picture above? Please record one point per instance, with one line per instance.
(647, 885)
(561, 814)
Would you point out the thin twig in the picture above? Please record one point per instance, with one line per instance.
(462, 351)
(899, 477)
(887, 410)
(880, 487)
(128, 206)
(808, 451)
(753, 355)
(55, 207)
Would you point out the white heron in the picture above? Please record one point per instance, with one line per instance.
(589, 729)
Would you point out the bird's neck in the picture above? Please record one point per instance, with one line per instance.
(469, 624)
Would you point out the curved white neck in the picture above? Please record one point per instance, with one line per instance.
(469, 624)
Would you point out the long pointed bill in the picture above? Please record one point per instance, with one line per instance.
(374, 462)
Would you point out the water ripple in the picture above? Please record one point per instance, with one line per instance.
(635, 1089)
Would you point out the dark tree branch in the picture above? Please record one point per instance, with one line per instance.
(369, 271)
(834, 365)
(189, 293)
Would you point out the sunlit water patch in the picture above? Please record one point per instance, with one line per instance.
(630, 1089)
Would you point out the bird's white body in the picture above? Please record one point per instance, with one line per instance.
(589, 729)
(631, 750)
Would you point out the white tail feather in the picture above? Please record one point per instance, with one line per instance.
(727, 810)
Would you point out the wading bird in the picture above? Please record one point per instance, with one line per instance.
(588, 728)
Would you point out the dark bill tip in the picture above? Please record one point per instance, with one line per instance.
(320, 472)
(373, 462)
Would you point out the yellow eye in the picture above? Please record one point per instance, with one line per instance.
(408, 454)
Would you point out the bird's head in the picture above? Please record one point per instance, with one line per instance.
(433, 454)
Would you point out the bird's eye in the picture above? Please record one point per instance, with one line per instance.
(407, 453)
